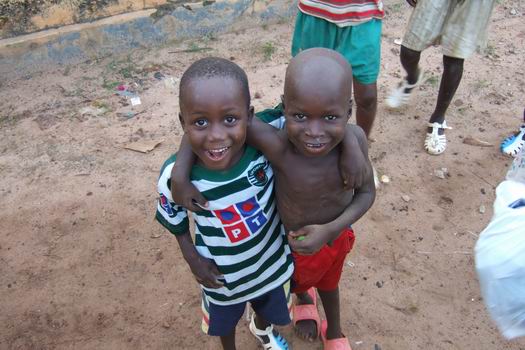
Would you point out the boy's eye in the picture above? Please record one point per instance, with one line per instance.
(230, 119)
(330, 117)
(201, 123)
(299, 117)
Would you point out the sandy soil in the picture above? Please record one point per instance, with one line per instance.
(84, 265)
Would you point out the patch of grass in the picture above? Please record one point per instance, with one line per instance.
(433, 80)
(283, 20)
(480, 84)
(462, 109)
(211, 36)
(194, 47)
(490, 51)
(101, 105)
(110, 85)
(395, 8)
(126, 68)
(265, 26)
(268, 50)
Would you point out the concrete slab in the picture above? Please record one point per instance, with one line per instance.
(147, 28)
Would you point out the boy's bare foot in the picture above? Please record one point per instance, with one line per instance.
(306, 316)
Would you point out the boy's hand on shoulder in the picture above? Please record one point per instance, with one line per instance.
(355, 170)
(205, 272)
(354, 166)
(308, 240)
(184, 193)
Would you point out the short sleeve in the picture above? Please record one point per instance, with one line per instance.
(170, 215)
(273, 116)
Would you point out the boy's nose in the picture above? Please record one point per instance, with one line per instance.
(216, 133)
(314, 129)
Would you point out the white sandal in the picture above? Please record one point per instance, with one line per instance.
(434, 142)
(399, 96)
(270, 339)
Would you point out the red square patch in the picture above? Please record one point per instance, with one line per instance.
(237, 232)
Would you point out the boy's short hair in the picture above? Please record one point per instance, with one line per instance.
(211, 67)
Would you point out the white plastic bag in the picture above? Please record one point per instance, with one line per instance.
(500, 255)
(517, 169)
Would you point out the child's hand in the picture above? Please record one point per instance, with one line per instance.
(308, 240)
(206, 272)
(184, 193)
(354, 168)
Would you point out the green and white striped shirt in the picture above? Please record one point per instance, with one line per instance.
(240, 230)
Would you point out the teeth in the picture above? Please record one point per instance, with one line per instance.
(219, 150)
(314, 145)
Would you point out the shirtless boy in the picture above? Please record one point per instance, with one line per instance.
(315, 208)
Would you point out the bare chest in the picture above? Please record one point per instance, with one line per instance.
(310, 192)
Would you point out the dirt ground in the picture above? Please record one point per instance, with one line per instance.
(83, 264)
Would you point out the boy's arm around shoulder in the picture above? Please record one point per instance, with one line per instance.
(266, 138)
(364, 195)
(353, 162)
(183, 191)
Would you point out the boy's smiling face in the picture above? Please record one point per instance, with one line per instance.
(215, 113)
(317, 105)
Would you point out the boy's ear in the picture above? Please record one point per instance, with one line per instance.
(251, 113)
(282, 100)
(181, 120)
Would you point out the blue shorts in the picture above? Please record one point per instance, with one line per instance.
(274, 307)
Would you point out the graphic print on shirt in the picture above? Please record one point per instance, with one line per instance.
(257, 175)
(165, 204)
(242, 219)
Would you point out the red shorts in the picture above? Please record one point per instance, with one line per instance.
(323, 269)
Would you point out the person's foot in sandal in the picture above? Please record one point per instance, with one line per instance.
(436, 140)
(513, 144)
(306, 318)
(269, 338)
(340, 343)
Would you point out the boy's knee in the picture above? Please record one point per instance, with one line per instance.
(453, 62)
(366, 97)
(409, 54)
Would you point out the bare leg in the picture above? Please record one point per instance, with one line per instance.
(261, 323)
(330, 301)
(228, 341)
(305, 329)
(452, 73)
(366, 101)
(410, 62)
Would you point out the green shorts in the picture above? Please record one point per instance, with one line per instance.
(359, 44)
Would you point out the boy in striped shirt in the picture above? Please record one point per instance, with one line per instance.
(240, 253)
(316, 208)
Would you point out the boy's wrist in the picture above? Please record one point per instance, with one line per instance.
(334, 228)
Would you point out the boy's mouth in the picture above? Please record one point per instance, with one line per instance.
(217, 154)
(315, 148)
(315, 145)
